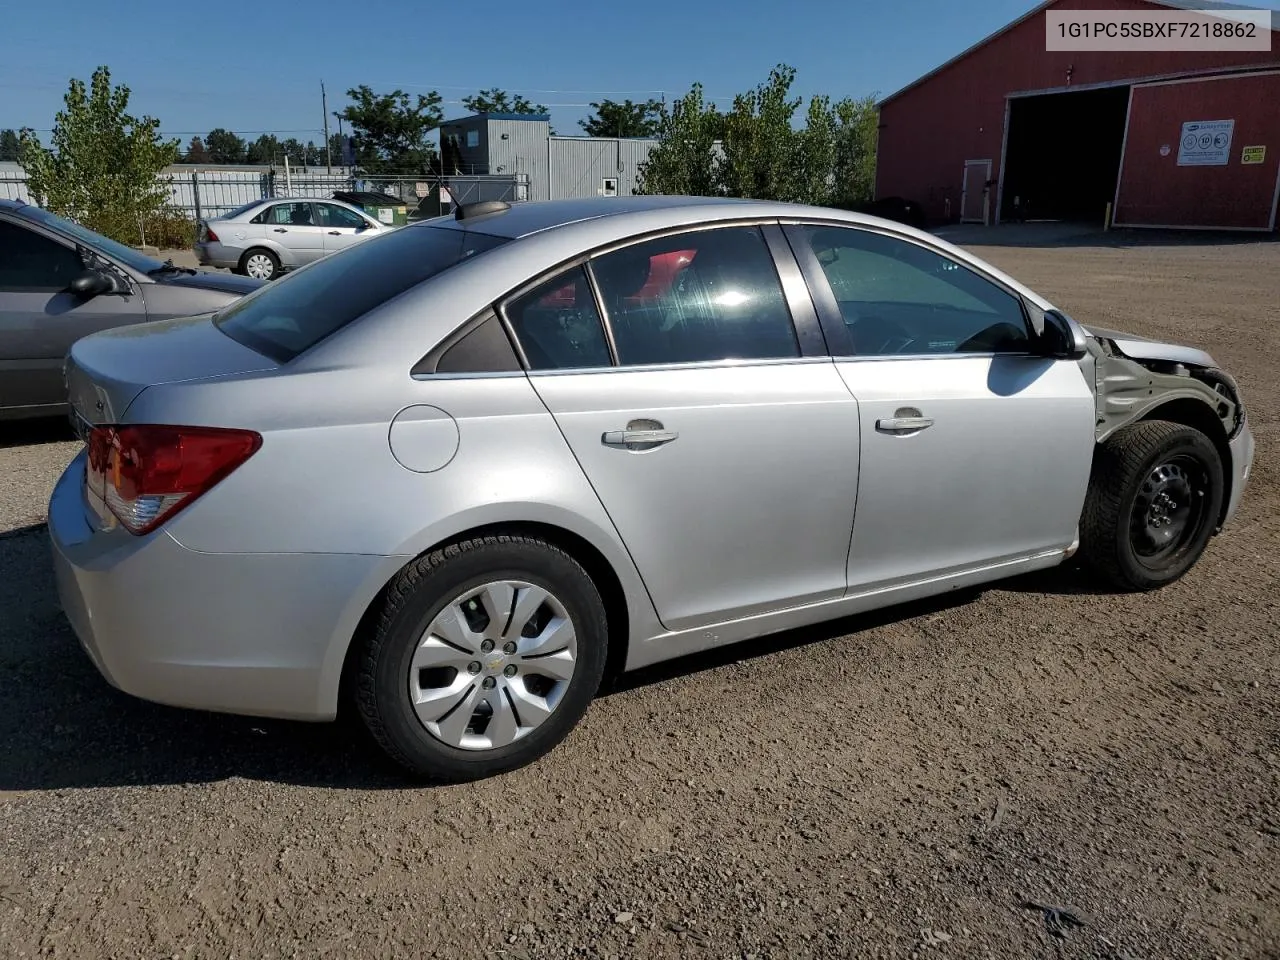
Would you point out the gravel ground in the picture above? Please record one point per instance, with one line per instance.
(897, 785)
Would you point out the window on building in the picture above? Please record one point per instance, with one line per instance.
(609, 187)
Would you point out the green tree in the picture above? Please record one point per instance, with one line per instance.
(335, 149)
(104, 166)
(683, 162)
(224, 146)
(625, 119)
(196, 152)
(856, 135)
(499, 101)
(760, 146)
(10, 145)
(265, 150)
(389, 130)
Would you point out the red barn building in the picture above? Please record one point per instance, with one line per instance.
(1008, 130)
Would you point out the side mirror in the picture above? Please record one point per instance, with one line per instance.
(1062, 337)
(90, 284)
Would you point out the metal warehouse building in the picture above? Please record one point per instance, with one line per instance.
(557, 168)
(1007, 130)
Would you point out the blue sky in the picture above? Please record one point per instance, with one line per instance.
(257, 68)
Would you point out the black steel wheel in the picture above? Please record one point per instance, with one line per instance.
(1154, 498)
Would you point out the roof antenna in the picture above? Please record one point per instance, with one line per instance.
(465, 211)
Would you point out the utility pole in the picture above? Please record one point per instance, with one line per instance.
(328, 158)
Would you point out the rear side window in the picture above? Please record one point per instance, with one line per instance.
(558, 325)
(295, 313)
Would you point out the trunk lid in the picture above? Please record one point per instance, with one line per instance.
(106, 371)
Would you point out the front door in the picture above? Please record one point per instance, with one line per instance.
(342, 227)
(974, 205)
(727, 461)
(974, 450)
(293, 226)
(39, 319)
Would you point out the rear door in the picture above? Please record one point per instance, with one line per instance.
(718, 435)
(974, 449)
(293, 226)
(342, 227)
(39, 319)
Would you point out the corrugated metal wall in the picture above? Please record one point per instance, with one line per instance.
(631, 156)
(580, 165)
(520, 146)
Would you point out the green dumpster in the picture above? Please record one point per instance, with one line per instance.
(383, 207)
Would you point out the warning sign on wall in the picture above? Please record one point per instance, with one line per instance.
(1253, 154)
(1205, 143)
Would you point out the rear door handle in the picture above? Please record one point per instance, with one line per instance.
(637, 439)
(904, 424)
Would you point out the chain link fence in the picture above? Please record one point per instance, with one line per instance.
(203, 194)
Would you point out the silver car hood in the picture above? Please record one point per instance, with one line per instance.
(1144, 348)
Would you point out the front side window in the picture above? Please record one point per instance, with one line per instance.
(332, 215)
(30, 262)
(298, 311)
(558, 325)
(898, 298)
(701, 296)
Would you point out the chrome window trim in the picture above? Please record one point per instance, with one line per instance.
(692, 365)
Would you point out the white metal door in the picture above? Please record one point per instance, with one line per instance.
(974, 204)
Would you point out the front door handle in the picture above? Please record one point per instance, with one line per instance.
(639, 435)
(281, 230)
(334, 233)
(901, 425)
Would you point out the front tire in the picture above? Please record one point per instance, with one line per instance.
(486, 654)
(1154, 498)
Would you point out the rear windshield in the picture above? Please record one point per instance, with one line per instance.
(299, 310)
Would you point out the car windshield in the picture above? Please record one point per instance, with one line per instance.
(125, 254)
(297, 312)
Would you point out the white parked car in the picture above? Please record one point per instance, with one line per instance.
(264, 238)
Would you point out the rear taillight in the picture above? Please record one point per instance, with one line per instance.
(146, 473)
(209, 234)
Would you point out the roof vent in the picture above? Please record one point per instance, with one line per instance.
(483, 208)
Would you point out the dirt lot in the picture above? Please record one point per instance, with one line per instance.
(888, 786)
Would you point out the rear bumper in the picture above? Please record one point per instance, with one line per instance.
(216, 255)
(257, 634)
(1242, 448)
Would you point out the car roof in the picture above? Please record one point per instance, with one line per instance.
(526, 218)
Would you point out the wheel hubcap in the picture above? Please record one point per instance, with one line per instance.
(1168, 509)
(259, 267)
(493, 665)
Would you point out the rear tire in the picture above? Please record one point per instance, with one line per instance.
(485, 656)
(260, 263)
(1154, 498)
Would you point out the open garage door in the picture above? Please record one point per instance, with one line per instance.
(1062, 155)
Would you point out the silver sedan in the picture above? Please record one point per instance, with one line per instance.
(462, 471)
(265, 238)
